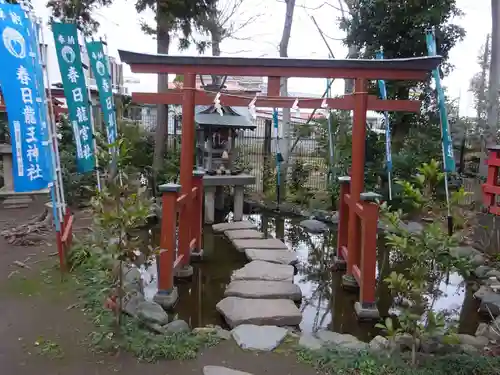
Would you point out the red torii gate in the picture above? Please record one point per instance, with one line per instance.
(357, 229)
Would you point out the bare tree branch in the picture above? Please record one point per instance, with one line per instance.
(323, 37)
(326, 3)
(236, 52)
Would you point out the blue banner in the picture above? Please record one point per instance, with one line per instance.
(75, 91)
(34, 29)
(383, 94)
(19, 87)
(447, 143)
(100, 67)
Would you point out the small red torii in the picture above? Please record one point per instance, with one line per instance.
(358, 211)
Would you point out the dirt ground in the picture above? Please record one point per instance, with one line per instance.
(31, 314)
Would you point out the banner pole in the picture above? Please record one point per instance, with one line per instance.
(92, 126)
(52, 131)
(115, 151)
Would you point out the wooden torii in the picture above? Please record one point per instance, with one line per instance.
(358, 211)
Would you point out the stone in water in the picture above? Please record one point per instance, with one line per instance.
(314, 226)
(265, 271)
(272, 256)
(276, 312)
(268, 243)
(236, 225)
(243, 234)
(264, 289)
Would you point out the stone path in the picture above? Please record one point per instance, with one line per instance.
(262, 292)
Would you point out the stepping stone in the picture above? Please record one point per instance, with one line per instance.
(264, 290)
(243, 234)
(276, 312)
(218, 370)
(272, 256)
(267, 243)
(263, 338)
(235, 225)
(314, 226)
(264, 271)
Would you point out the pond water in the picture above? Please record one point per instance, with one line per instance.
(325, 304)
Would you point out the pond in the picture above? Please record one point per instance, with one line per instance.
(325, 304)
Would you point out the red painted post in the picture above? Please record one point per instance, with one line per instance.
(197, 228)
(186, 172)
(489, 199)
(366, 307)
(167, 237)
(343, 208)
(357, 171)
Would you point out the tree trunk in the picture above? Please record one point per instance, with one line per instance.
(482, 88)
(215, 32)
(284, 143)
(161, 131)
(353, 53)
(490, 134)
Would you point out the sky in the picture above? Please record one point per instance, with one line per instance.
(120, 25)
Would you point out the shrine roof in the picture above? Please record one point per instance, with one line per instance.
(233, 117)
(422, 64)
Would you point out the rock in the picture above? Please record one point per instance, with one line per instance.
(264, 338)
(489, 332)
(236, 225)
(437, 345)
(469, 252)
(490, 304)
(482, 291)
(132, 278)
(152, 312)
(265, 271)
(464, 251)
(314, 226)
(345, 341)
(263, 289)
(378, 344)
(272, 256)
(482, 271)
(413, 227)
(468, 349)
(176, 326)
(267, 243)
(218, 331)
(431, 345)
(222, 333)
(243, 234)
(155, 328)
(310, 342)
(485, 331)
(478, 259)
(131, 302)
(478, 342)
(482, 330)
(218, 370)
(493, 273)
(278, 312)
(405, 341)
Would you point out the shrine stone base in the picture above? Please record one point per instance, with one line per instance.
(13, 200)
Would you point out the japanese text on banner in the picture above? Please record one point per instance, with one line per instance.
(41, 100)
(75, 91)
(100, 67)
(20, 89)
